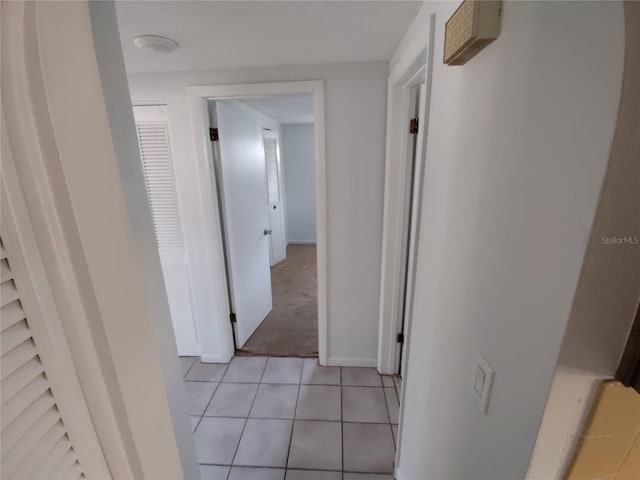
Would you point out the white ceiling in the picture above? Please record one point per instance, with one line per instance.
(284, 109)
(237, 34)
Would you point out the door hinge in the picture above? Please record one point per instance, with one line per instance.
(400, 338)
(232, 317)
(213, 134)
(413, 126)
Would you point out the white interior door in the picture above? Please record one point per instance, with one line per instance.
(153, 138)
(277, 242)
(418, 105)
(242, 167)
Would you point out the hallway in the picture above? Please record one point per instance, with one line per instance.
(291, 328)
(288, 418)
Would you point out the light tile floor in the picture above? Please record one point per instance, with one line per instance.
(261, 418)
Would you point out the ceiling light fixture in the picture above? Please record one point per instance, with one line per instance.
(155, 43)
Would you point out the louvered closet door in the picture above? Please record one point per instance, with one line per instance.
(153, 137)
(277, 246)
(34, 438)
(47, 432)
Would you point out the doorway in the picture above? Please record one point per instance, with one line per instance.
(264, 167)
(405, 165)
(235, 225)
(403, 197)
(416, 115)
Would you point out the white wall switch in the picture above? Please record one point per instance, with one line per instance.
(482, 382)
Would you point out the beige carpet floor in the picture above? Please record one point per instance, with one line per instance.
(291, 328)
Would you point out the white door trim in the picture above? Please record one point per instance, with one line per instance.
(198, 96)
(397, 176)
(396, 164)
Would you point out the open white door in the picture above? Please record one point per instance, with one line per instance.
(277, 243)
(418, 105)
(242, 170)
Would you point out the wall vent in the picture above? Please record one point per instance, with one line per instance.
(473, 26)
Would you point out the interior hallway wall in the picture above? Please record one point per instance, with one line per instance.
(609, 288)
(518, 144)
(355, 103)
(298, 165)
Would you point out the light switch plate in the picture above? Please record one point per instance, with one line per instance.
(483, 375)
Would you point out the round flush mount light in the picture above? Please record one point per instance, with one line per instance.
(155, 43)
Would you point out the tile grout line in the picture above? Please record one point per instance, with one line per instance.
(626, 455)
(280, 383)
(341, 422)
(395, 387)
(386, 402)
(195, 360)
(211, 399)
(395, 446)
(193, 431)
(299, 419)
(355, 386)
(305, 469)
(293, 423)
(302, 469)
(212, 395)
(397, 432)
(246, 420)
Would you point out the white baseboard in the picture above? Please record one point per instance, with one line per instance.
(213, 359)
(302, 242)
(189, 349)
(352, 362)
(400, 476)
(194, 350)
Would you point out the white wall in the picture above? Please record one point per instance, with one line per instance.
(298, 162)
(355, 117)
(609, 288)
(518, 143)
(149, 271)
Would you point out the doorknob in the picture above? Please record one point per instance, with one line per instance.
(267, 231)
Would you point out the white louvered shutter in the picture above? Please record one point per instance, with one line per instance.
(155, 153)
(35, 442)
(156, 160)
(271, 159)
(47, 432)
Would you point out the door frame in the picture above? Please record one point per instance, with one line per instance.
(417, 61)
(414, 152)
(397, 176)
(198, 96)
